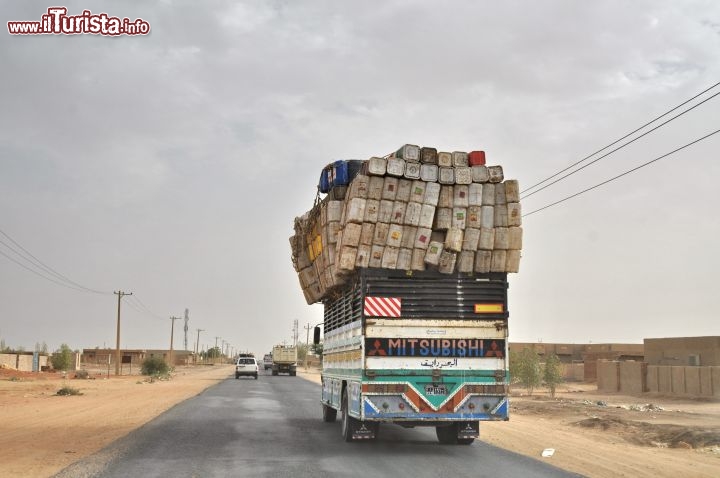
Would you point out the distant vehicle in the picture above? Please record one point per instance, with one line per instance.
(284, 360)
(246, 365)
(267, 361)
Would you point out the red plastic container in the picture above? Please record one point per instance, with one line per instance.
(476, 158)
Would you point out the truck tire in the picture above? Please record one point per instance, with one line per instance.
(448, 435)
(348, 422)
(274, 372)
(329, 414)
(292, 373)
(237, 376)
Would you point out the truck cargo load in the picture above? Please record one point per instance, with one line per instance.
(386, 212)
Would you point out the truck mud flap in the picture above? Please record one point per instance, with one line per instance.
(468, 430)
(363, 432)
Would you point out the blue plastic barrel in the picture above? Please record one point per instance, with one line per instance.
(325, 183)
(344, 171)
(340, 173)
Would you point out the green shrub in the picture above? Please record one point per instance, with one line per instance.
(63, 358)
(552, 374)
(154, 366)
(65, 391)
(525, 368)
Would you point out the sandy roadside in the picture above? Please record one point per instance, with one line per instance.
(538, 423)
(42, 433)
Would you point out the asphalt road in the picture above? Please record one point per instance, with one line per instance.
(272, 427)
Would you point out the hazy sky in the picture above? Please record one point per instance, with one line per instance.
(172, 165)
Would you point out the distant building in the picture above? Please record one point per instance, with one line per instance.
(688, 351)
(568, 353)
(98, 356)
(586, 354)
(25, 361)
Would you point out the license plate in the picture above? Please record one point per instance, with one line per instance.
(436, 390)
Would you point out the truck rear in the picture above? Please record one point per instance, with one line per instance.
(284, 360)
(416, 349)
(267, 361)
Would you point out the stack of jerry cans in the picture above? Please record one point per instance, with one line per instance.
(415, 209)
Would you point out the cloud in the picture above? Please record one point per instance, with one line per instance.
(174, 163)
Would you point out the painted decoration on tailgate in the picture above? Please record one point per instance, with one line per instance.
(417, 347)
(382, 306)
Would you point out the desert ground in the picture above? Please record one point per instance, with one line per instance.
(596, 435)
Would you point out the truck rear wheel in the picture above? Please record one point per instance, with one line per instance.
(329, 414)
(348, 422)
(448, 435)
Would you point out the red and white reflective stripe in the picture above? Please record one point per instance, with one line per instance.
(382, 306)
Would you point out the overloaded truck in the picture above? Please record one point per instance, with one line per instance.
(415, 315)
(284, 360)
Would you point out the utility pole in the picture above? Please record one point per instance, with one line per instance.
(197, 344)
(295, 332)
(172, 335)
(187, 319)
(307, 341)
(120, 295)
(215, 349)
(307, 344)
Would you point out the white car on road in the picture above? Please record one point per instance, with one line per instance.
(246, 366)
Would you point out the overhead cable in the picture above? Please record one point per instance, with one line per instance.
(40, 274)
(620, 139)
(28, 257)
(145, 310)
(623, 174)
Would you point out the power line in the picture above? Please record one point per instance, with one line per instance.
(620, 139)
(134, 307)
(42, 270)
(37, 263)
(620, 147)
(623, 174)
(145, 310)
(140, 308)
(39, 274)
